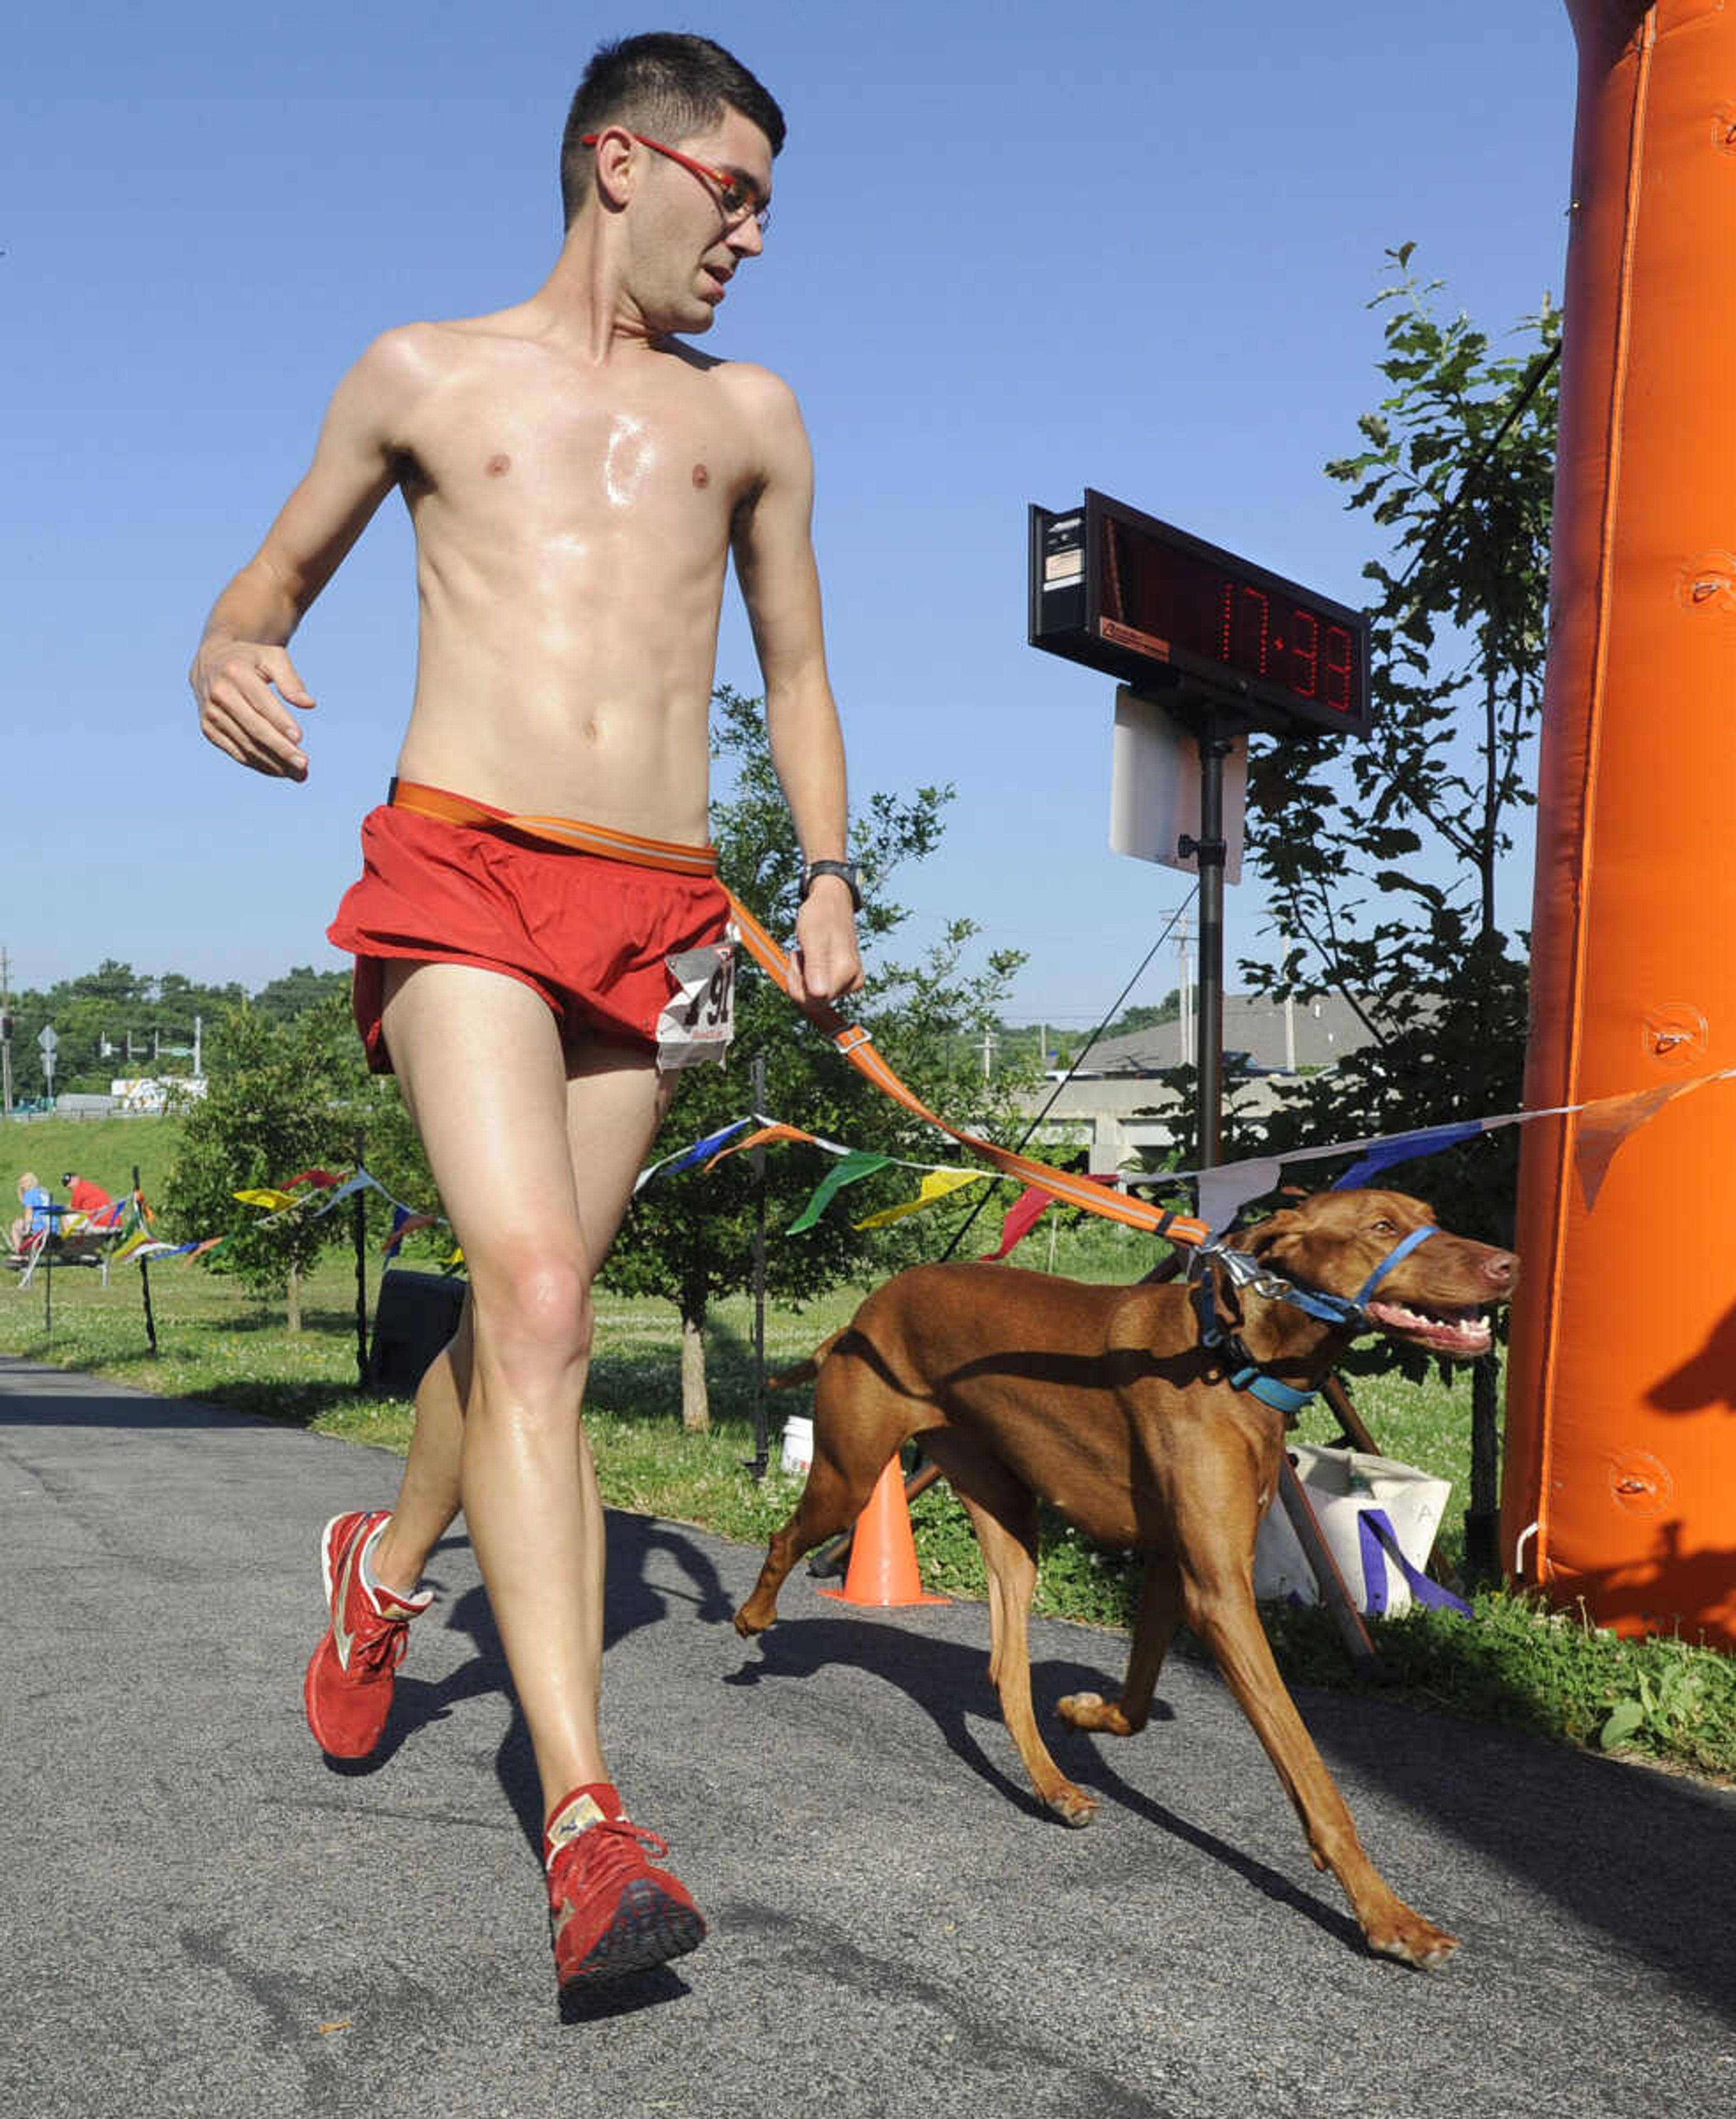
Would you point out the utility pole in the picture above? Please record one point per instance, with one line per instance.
(989, 1043)
(1185, 1010)
(6, 1033)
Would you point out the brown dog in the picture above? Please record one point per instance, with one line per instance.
(1104, 1402)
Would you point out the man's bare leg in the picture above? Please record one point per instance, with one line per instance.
(535, 1173)
(429, 1495)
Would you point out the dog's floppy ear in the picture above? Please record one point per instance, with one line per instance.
(1266, 1239)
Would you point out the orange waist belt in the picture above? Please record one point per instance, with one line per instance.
(567, 832)
(853, 1042)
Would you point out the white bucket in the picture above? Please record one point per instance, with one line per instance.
(798, 1444)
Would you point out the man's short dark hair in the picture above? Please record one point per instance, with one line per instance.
(669, 85)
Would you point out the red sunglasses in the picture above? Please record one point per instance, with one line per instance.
(739, 196)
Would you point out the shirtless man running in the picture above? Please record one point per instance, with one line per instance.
(577, 478)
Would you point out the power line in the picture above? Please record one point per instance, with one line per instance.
(1078, 1061)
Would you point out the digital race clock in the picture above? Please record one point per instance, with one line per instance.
(1156, 607)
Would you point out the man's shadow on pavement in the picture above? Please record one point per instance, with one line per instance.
(631, 1600)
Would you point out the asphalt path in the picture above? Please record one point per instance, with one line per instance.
(200, 1916)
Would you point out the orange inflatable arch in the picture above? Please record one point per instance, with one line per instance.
(1620, 1471)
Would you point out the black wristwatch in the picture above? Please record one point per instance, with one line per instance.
(845, 869)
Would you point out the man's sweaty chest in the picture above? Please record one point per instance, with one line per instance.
(569, 469)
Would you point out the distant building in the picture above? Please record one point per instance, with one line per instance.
(148, 1096)
(1112, 1108)
(1277, 1037)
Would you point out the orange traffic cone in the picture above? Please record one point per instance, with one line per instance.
(883, 1552)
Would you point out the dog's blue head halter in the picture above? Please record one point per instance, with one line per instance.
(1242, 1270)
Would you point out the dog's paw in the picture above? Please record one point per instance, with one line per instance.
(1090, 1710)
(1071, 1805)
(1413, 1941)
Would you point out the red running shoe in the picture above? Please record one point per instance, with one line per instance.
(348, 1688)
(610, 1911)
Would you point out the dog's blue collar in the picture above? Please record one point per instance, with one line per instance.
(1257, 1383)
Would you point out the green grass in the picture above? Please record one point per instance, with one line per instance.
(102, 1149)
(1550, 1674)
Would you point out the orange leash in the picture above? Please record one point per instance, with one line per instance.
(857, 1047)
(854, 1042)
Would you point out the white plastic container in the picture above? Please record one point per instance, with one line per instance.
(798, 1444)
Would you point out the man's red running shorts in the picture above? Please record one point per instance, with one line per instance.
(590, 934)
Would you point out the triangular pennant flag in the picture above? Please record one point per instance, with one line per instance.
(858, 1162)
(685, 1158)
(1226, 1190)
(321, 1179)
(764, 1136)
(709, 1146)
(937, 1185)
(268, 1197)
(408, 1227)
(1020, 1219)
(1402, 1146)
(1605, 1124)
(362, 1181)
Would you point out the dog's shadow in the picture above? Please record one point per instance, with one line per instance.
(949, 1682)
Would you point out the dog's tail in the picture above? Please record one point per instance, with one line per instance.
(805, 1372)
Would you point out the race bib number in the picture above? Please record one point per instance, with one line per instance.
(700, 1019)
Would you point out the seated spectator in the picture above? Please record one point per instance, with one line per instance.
(35, 1200)
(86, 1197)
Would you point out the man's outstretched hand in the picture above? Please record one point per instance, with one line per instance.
(243, 714)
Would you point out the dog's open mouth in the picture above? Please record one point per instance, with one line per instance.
(1462, 1334)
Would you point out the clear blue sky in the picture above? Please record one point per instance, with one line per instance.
(1017, 250)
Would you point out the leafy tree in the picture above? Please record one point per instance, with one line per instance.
(1146, 1016)
(691, 1236)
(297, 990)
(285, 1098)
(1382, 861)
(117, 1021)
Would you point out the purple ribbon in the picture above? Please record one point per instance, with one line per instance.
(1378, 1539)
